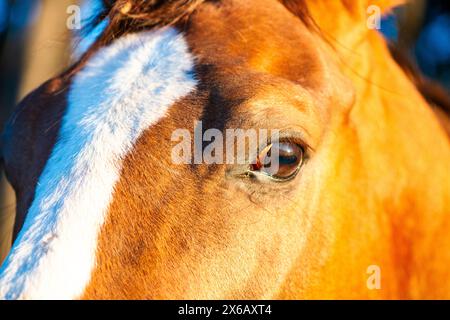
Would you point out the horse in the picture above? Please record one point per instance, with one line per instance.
(357, 209)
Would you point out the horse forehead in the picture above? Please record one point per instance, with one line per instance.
(262, 37)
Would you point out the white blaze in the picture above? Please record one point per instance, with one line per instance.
(123, 90)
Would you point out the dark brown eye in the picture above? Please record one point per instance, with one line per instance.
(281, 161)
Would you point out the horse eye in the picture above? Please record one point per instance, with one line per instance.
(290, 159)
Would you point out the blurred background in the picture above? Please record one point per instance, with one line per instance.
(35, 44)
(422, 28)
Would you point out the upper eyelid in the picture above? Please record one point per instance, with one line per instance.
(296, 137)
(286, 135)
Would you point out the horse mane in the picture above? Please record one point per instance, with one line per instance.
(128, 16)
